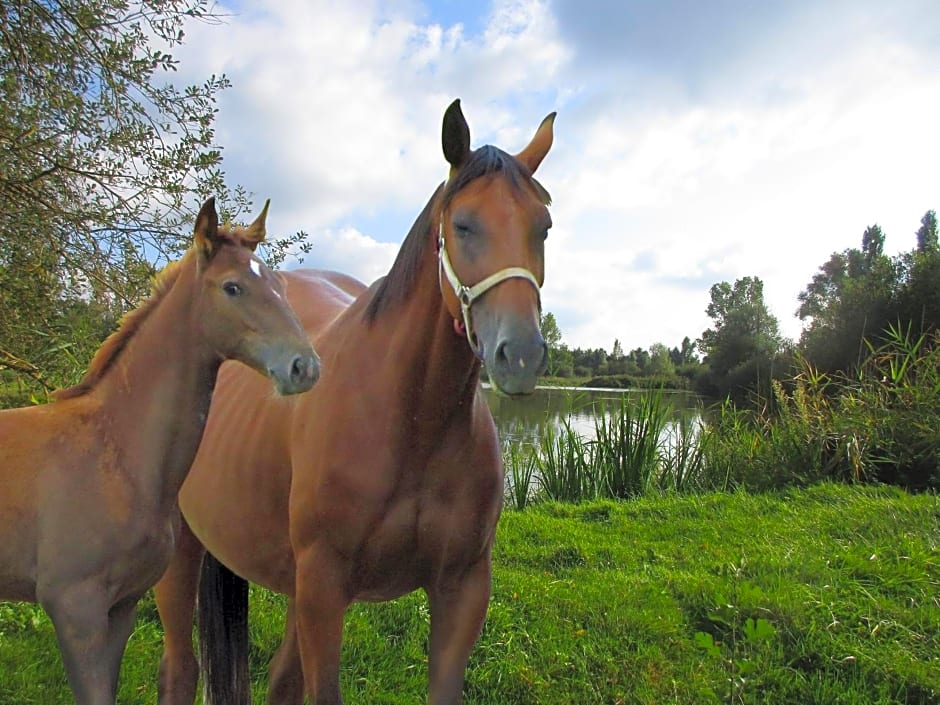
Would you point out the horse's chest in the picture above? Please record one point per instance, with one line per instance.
(417, 542)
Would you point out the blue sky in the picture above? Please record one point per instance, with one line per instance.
(695, 142)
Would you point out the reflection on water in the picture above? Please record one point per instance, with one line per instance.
(524, 419)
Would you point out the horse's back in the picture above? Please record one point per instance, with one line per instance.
(318, 296)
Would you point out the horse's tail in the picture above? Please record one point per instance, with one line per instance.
(223, 635)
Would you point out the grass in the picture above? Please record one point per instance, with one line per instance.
(829, 594)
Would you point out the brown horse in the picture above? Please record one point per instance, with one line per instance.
(88, 509)
(387, 477)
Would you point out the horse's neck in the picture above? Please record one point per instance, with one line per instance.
(156, 394)
(437, 372)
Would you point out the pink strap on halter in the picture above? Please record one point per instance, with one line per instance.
(466, 295)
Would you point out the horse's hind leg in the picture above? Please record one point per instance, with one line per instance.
(176, 600)
(286, 678)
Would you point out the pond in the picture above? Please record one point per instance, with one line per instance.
(524, 419)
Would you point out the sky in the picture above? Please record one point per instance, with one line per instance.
(695, 143)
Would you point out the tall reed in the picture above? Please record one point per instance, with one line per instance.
(565, 465)
(684, 456)
(882, 423)
(627, 445)
(520, 462)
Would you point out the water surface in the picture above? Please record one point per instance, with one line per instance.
(524, 419)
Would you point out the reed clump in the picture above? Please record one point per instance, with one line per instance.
(881, 424)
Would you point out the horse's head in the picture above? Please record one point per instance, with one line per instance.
(243, 310)
(493, 225)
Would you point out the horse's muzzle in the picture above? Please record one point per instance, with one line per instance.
(296, 374)
(517, 363)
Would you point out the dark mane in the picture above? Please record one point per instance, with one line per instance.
(117, 341)
(399, 282)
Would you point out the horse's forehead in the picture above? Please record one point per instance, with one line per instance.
(499, 195)
(239, 260)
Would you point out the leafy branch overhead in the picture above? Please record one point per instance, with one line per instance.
(103, 160)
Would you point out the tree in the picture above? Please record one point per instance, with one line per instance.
(918, 307)
(927, 233)
(873, 245)
(741, 347)
(551, 333)
(589, 362)
(102, 161)
(684, 355)
(640, 358)
(616, 361)
(850, 299)
(660, 364)
(617, 352)
(560, 361)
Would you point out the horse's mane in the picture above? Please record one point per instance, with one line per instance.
(116, 342)
(399, 282)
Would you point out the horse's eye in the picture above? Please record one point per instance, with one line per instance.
(232, 289)
(462, 230)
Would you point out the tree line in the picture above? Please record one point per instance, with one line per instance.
(859, 298)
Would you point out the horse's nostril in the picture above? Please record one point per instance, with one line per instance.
(501, 355)
(303, 368)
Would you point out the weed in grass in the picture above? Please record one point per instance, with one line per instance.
(743, 643)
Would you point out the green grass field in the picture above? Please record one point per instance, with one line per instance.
(825, 595)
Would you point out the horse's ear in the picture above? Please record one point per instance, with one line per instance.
(206, 235)
(455, 136)
(536, 150)
(254, 233)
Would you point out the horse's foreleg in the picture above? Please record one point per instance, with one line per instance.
(320, 604)
(457, 615)
(286, 678)
(80, 616)
(176, 600)
(120, 626)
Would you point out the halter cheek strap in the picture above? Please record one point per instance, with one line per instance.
(466, 295)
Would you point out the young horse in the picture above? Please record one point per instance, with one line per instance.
(387, 477)
(88, 511)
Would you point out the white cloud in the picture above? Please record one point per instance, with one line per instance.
(757, 159)
(726, 189)
(349, 251)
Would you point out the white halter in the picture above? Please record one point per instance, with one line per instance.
(466, 295)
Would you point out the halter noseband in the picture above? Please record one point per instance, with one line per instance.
(466, 295)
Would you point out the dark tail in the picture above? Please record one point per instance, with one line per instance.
(223, 635)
